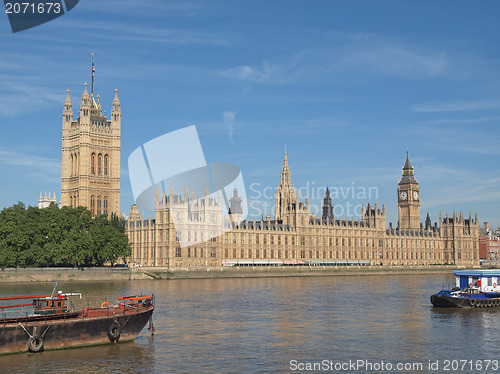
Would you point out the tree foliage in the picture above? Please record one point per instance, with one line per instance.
(60, 237)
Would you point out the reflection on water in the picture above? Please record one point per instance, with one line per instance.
(259, 325)
(117, 358)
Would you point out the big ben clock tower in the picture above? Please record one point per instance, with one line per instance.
(408, 199)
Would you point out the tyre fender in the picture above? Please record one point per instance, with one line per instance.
(114, 332)
(35, 344)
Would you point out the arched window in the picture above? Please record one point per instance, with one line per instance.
(71, 201)
(99, 165)
(106, 164)
(92, 164)
(72, 165)
(92, 205)
(105, 206)
(98, 205)
(76, 164)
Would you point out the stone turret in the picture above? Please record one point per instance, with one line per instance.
(375, 217)
(327, 206)
(428, 222)
(116, 114)
(85, 104)
(68, 110)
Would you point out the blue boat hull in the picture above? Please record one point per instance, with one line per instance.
(445, 299)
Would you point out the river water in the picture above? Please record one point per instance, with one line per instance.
(271, 325)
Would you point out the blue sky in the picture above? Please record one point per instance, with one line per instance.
(348, 86)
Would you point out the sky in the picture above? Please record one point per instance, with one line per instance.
(347, 86)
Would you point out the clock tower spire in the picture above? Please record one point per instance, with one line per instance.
(408, 198)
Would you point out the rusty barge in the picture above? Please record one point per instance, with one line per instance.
(48, 323)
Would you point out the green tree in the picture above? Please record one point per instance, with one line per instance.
(60, 237)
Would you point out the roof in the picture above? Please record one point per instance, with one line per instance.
(408, 176)
(478, 273)
(407, 163)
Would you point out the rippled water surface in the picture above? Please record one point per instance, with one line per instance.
(260, 325)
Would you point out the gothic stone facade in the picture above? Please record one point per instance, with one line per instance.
(206, 237)
(91, 150)
(45, 201)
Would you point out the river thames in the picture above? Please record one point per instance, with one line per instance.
(377, 323)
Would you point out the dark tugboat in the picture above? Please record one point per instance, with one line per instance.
(48, 322)
(473, 288)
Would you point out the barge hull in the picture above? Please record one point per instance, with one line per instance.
(35, 334)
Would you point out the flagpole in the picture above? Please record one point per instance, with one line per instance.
(92, 91)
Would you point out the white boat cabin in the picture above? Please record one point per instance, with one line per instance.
(478, 280)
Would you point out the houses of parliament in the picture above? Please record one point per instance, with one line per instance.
(197, 232)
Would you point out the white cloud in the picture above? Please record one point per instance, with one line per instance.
(467, 120)
(157, 7)
(457, 196)
(300, 126)
(458, 186)
(25, 88)
(228, 118)
(283, 69)
(243, 72)
(15, 104)
(20, 159)
(102, 32)
(390, 59)
(344, 55)
(252, 73)
(454, 106)
(462, 140)
(487, 149)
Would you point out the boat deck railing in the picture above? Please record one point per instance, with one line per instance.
(19, 310)
(128, 305)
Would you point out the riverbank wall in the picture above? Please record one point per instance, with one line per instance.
(124, 273)
(64, 274)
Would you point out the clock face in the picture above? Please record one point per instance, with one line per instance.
(403, 195)
(415, 195)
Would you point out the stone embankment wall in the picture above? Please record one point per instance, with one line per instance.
(68, 274)
(124, 273)
(316, 271)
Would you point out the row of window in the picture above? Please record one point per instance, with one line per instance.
(98, 205)
(196, 252)
(349, 242)
(310, 254)
(200, 252)
(73, 201)
(74, 164)
(99, 164)
(410, 253)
